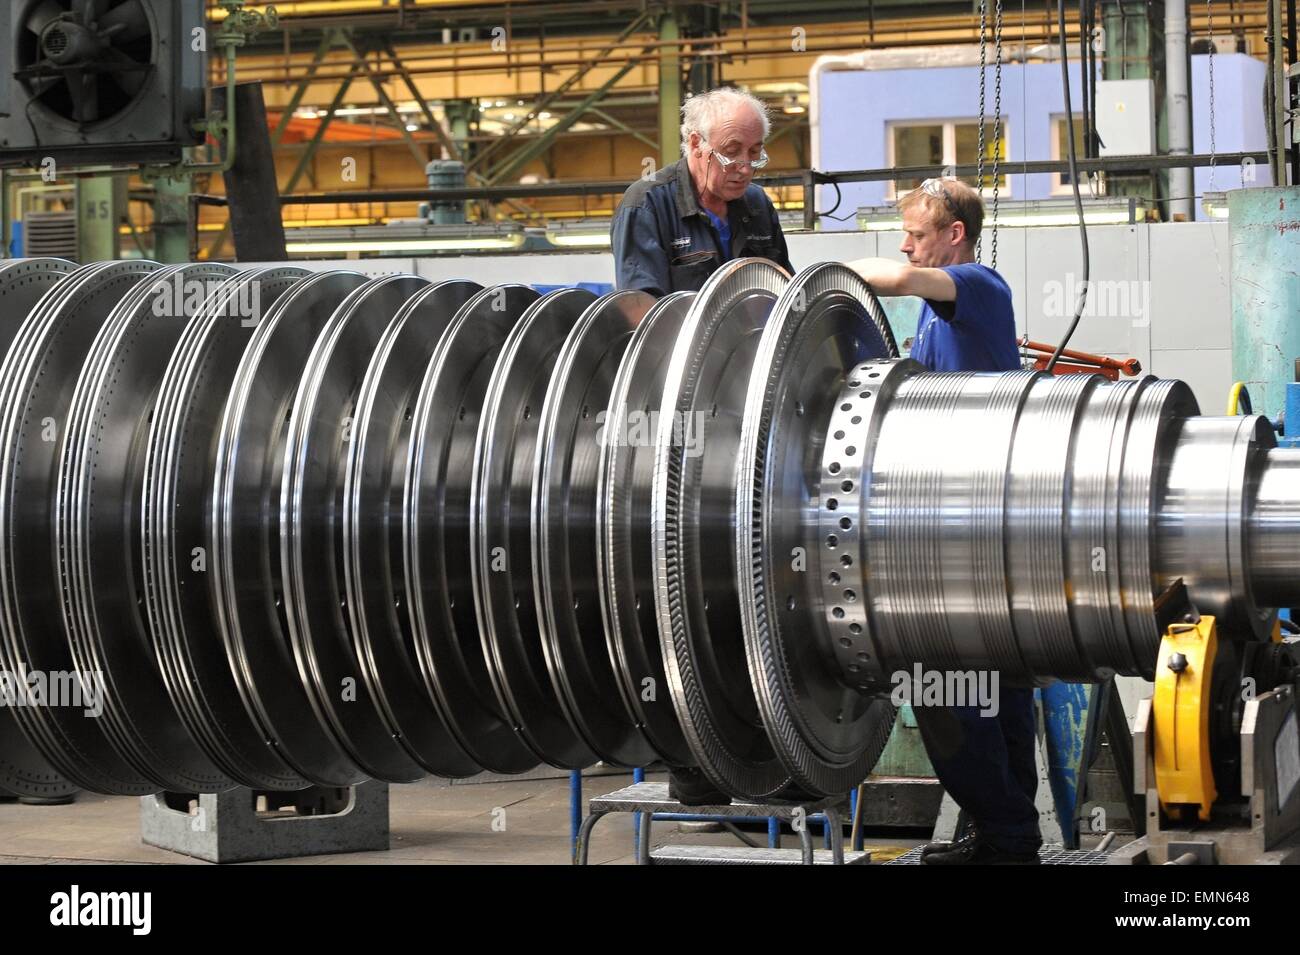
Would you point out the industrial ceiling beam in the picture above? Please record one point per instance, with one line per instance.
(747, 40)
(286, 115)
(541, 104)
(421, 156)
(304, 161)
(622, 127)
(544, 142)
(417, 151)
(453, 151)
(576, 16)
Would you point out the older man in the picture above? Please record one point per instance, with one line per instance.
(673, 229)
(984, 759)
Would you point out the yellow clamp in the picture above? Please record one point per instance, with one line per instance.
(1181, 713)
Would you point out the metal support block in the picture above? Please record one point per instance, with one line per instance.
(900, 801)
(228, 826)
(904, 754)
(1194, 851)
(1270, 767)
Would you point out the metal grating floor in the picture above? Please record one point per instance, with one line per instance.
(653, 797)
(1047, 856)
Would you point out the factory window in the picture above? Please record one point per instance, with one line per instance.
(950, 143)
(1061, 184)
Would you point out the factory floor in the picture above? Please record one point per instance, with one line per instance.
(432, 822)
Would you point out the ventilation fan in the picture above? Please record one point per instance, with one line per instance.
(99, 80)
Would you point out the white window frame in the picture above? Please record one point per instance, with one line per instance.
(949, 149)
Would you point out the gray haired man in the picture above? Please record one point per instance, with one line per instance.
(673, 229)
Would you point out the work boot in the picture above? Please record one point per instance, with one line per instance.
(965, 833)
(963, 841)
(975, 850)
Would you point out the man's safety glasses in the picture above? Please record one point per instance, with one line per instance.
(934, 187)
(727, 163)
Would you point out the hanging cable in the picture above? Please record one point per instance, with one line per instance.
(997, 125)
(979, 158)
(1092, 149)
(1209, 63)
(1085, 40)
(1074, 181)
(830, 214)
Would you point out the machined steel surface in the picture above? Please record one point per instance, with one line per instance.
(573, 429)
(377, 603)
(101, 480)
(23, 771)
(309, 528)
(321, 426)
(1032, 528)
(438, 532)
(177, 499)
(696, 600)
(826, 322)
(37, 381)
(246, 558)
(625, 555)
(501, 492)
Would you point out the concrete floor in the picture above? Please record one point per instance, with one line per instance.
(432, 822)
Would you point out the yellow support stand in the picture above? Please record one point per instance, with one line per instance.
(1181, 714)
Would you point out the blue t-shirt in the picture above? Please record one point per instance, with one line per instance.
(979, 333)
(724, 232)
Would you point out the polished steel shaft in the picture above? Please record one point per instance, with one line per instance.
(1024, 523)
(1273, 527)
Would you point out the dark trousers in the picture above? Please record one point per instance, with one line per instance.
(987, 765)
